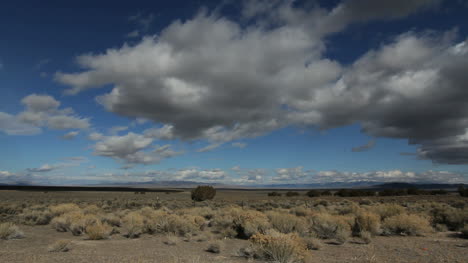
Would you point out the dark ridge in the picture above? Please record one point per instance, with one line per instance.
(82, 188)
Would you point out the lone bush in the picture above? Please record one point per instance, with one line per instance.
(274, 194)
(290, 194)
(202, 193)
(313, 193)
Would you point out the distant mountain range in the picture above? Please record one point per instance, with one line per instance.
(192, 184)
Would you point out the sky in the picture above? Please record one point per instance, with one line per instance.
(233, 92)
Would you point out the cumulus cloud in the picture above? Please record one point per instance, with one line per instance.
(116, 129)
(274, 72)
(41, 111)
(95, 136)
(369, 145)
(196, 174)
(11, 125)
(293, 175)
(248, 176)
(71, 135)
(132, 148)
(5, 173)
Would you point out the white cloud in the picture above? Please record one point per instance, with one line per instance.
(5, 174)
(133, 148)
(116, 129)
(11, 125)
(95, 136)
(71, 135)
(292, 175)
(40, 103)
(41, 111)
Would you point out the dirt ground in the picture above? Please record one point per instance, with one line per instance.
(438, 247)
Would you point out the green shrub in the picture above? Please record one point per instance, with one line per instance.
(290, 194)
(313, 193)
(202, 193)
(274, 194)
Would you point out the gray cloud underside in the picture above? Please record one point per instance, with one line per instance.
(209, 78)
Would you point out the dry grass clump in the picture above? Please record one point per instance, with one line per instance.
(313, 243)
(92, 209)
(111, 219)
(60, 246)
(368, 222)
(215, 247)
(407, 224)
(60, 209)
(10, 231)
(75, 222)
(171, 240)
(452, 217)
(279, 247)
(328, 226)
(249, 222)
(388, 210)
(133, 224)
(287, 223)
(158, 221)
(35, 217)
(206, 212)
(98, 231)
(241, 223)
(366, 236)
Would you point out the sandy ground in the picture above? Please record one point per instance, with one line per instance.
(438, 247)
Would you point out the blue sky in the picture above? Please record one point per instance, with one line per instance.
(244, 92)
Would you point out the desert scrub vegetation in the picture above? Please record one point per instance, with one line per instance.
(248, 222)
(279, 247)
(60, 209)
(327, 226)
(287, 223)
(406, 224)
(35, 216)
(449, 216)
(10, 231)
(133, 224)
(202, 193)
(98, 231)
(388, 210)
(74, 222)
(366, 221)
(59, 246)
